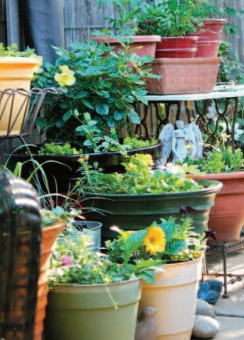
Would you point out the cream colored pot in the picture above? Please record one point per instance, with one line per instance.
(174, 294)
(14, 73)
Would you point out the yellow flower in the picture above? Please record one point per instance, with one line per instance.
(66, 78)
(188, 146)
(155, 240)
(38, 68)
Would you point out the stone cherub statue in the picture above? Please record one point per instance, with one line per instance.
(179, 140)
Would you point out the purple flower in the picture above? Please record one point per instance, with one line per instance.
(66, 261)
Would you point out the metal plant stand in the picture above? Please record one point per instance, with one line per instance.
(224, 248)
(223, 100)
(30, 107)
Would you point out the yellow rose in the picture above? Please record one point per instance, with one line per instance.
(66, 78)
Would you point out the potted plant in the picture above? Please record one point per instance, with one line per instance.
(226, 166)
(173, 291)
(213, 22)
(92, 297)
(171, 20)
(17, 70)
(138, 197)
(123, 25)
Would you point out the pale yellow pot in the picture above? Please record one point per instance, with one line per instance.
(174, 294)
(14, 73)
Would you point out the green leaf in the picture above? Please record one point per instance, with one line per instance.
(169, 228)
(176, 246)
(87, 104)
(102, 109)
(67, 115)
(134, 242)
(134, 118)
(80, 94)
(118, 115)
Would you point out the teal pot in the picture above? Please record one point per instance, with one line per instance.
(133, 212)
(87, 312)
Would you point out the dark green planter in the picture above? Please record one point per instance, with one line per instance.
(133, 212)
(87, 312)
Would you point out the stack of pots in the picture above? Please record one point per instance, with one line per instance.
(209, 37)
(188, 64)
(204, 43)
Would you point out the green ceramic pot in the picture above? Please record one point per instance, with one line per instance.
(87, 312)
(133, 212)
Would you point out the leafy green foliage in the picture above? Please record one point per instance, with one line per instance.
(59, 214)
(106, 87)
(12, 51)
(219, 161)
(136, 143)
(139, 179)
(87, 267)
(51, 149)
(182, 244)
(167, 18)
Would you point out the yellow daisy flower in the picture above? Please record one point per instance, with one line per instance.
(155, 240)
(66, 78)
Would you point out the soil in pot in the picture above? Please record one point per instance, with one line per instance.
(135, 212)
(142, 45)
(227, 215)
(174, 294)
(65, 170)
(87, 312)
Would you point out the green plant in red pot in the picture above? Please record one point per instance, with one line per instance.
(171, 20)
(224, 165)
(124, 29)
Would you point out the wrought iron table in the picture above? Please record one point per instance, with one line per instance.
(224, 248)
(223, 97)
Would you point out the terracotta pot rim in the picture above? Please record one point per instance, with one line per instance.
(59, 225)
(231, 175)
(209, 42)
(181, 38)
(135, 38)
(214, 21)
(187, 50)
(186, 60)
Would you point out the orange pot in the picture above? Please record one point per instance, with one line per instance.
(227, 215)
(49, 236)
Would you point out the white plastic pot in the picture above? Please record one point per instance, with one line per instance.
(174, 294)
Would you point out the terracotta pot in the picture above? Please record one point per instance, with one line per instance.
(174, 295)
(208, 49)
(178, 76)
(177, 42)
(49, 236)
(227, 216)
(212, 29)
(142, 44)
(15, 72)
(176, 53)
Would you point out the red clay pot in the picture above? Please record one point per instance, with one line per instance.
(176, 53)
(178, 76)
(208, 49)
(212, 29)
(49, 236)
(227, 216)
(147, 44)
(177, 42)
